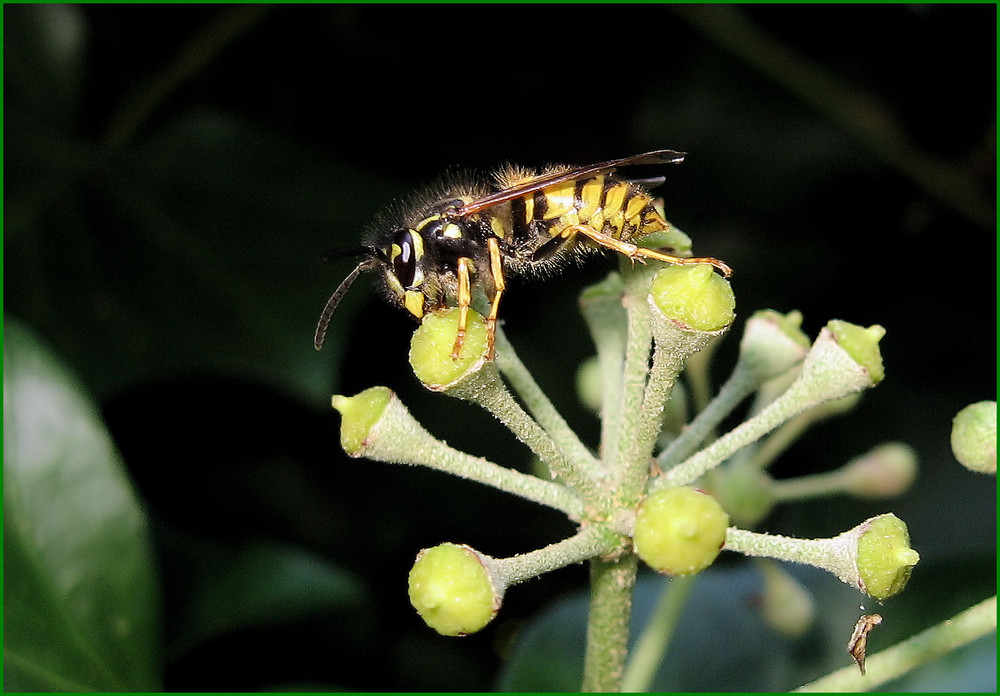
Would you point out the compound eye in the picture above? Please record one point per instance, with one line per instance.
(405, 251)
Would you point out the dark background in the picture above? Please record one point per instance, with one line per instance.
(174, 173)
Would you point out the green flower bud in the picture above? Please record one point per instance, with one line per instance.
(874, 557)
(744, 491)
(861, 344)
(772, 343)
(452, 590)
(679, 530)
(885, 471)
(433, 343)
(695, 296)
(974, 437)
(786, 605)
(360, 414)
(884, 556)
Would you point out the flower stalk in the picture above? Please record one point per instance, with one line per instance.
(829, 371)
(376, 425)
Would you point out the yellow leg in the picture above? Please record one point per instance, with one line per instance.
(464, 300)
(499, 285)
(638, 253)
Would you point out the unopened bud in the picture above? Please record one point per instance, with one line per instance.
(885, 471)
(679, 530)
(433, 344)
(694, 296)
(884, 556)
(974, 437)
(451, 588)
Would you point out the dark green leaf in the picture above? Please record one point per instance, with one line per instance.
(80, 594)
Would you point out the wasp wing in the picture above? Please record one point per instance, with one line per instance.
(553, 178)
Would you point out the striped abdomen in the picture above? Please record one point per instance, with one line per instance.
(617, 208)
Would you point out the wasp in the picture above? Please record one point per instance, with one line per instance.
(463, 237)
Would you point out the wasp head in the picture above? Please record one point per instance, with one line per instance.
(414, 259)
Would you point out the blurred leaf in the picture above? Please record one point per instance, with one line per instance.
(80, 594)
(749, 658)
(724, 645)
(43, 69)
(197, 251)
(261, 583)
(195, 248)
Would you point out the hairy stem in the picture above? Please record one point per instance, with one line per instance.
(652, 645)
(611, 586)
(539, 405)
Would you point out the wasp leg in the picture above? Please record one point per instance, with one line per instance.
(638, 253)
(464, 300)
(499, 285)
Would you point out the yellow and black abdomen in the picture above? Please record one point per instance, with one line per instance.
(540, 226)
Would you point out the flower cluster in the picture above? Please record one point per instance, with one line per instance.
(666, 490)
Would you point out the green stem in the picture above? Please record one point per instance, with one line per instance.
(539, 404)
(652, 645)
(828, 373)
(697, 375)
(834, 555)
(611, 586)
(494, 397)
(399, 439)
(601, 306)
(785, 436)
(739, 385)
(939, 640)
(591, 541)
(808, 487)
(629, 463)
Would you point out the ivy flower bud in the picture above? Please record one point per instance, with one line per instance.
(844, 359)
(874, 557)
(772, 343)
(974, 437)
(679, 530)
(885, 471)
(884, 556)
(862, 345)
(786, 605)
(433, 343)
(452, 589)
(694, 296)
(360, 416)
